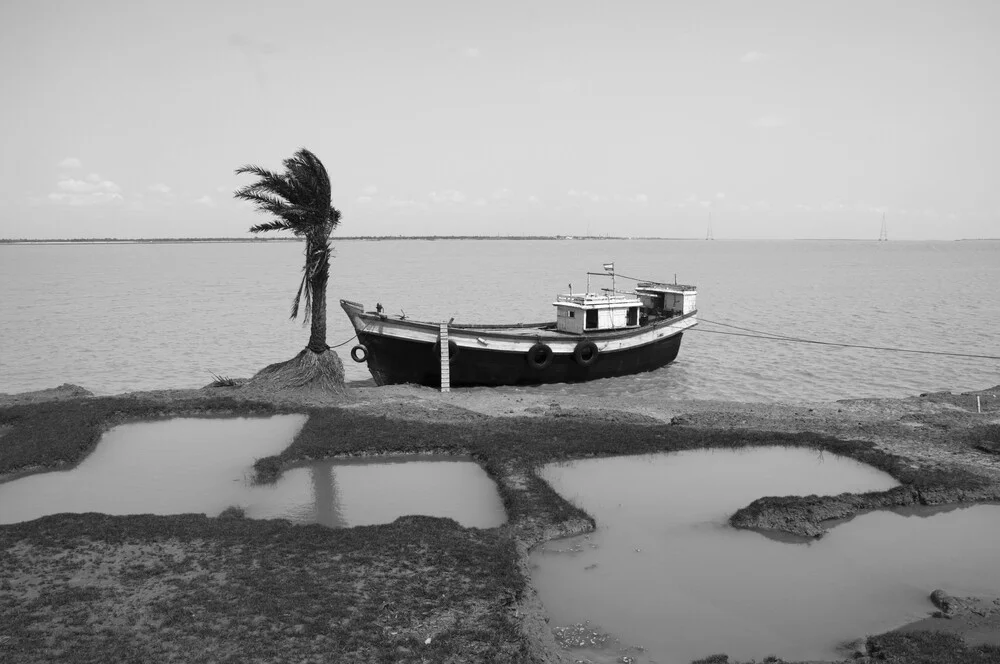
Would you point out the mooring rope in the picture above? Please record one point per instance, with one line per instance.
(751, 333)
(343, 343)
(760, 334)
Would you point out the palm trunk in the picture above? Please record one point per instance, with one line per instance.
(317, 334)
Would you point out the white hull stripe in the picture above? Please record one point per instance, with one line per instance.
(482, 340)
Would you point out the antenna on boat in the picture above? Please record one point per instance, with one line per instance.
(883, 235)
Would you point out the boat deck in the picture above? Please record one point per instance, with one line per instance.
(522, 329)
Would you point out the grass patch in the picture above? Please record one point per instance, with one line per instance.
(985, 438)
(225, 381)
(191, 588)
(929, 648)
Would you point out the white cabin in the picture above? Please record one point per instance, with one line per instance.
(667, 299)
(578, 314)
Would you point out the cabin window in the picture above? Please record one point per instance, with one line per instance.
(591, 319)
(572, 314)
(633, 316)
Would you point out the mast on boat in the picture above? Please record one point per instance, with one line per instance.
(883, 235)
(710, 235)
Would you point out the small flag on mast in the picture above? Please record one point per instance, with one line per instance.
(609, 267)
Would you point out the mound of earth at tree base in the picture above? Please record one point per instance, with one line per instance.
(64, 391)
(307, 374)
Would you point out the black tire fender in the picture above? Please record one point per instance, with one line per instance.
(586, 353)
(359, 353)
(453, 349)
(539, 356)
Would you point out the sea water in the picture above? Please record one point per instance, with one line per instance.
(120, 317)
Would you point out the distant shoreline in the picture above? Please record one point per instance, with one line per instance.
(363, 238)
(383, 238)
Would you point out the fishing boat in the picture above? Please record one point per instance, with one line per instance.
(594, 335)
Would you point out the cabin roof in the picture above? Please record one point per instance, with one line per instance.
(596, 301)
(658, 287)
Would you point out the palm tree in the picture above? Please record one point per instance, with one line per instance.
(300, 201)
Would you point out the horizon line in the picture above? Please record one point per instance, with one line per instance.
(106, 240)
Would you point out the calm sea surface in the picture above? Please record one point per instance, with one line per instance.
(114, 318)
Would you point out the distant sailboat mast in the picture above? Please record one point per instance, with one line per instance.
(709, 235)
(883, 235)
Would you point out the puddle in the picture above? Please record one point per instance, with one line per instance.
(204, 465)
(365, 492)
(666, 572)
(170, 467)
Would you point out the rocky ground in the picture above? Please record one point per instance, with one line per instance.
(952, 439)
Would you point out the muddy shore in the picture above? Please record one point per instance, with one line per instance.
(67, 578)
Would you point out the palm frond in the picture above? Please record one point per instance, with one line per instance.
(303, 287)
(268, 181)
(259, 197)
(333, 219)
(300, 199)
(277, 225)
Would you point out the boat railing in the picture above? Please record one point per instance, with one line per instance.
(617, 296)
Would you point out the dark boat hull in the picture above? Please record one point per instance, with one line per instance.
(392, 361)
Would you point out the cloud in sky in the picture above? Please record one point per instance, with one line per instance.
(364, 200)
(370, 190)
(92, 191)
(447, 196)
(752, 56)
(407, 206)
(205, 200)
(587, 195)
(93, 184)
(70, 162)
(472, 52)
(159, 188)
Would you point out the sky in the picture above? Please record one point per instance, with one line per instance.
(767, 119)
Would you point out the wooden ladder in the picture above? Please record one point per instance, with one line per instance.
(445, 358)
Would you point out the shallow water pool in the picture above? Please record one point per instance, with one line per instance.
(169, 467)
(379, 490)
(203, 465)
(665, 571)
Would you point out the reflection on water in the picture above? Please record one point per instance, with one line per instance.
(364, 492)
(665, 571)
(205, 465)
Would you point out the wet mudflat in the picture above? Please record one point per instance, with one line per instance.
(203, 465)
(665, 571)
